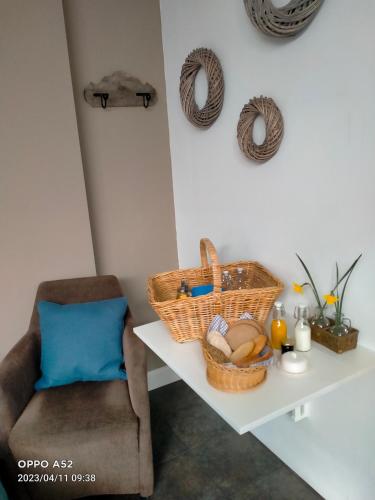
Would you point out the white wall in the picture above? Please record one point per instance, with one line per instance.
(44, 223)
(333, 450)
(315, 197)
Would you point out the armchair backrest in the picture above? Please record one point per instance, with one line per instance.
(68, 291)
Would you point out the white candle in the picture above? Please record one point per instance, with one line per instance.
(293, 362)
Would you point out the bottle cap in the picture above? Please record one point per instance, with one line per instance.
(278, 305)
(226, 273)
(239, 269)
(301, 311)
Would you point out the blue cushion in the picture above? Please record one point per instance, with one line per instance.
(81, 342)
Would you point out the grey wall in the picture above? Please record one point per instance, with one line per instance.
(125, 150)
(44, 224)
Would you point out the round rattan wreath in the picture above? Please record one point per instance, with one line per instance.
(282, 21)
(206, 59)
(265, 107)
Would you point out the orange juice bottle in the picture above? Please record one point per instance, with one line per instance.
(278, 326)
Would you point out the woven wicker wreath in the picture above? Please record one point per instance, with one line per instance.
(265, 107)
(282, 21)
(206, 59)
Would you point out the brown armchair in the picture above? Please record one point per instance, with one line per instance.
(103, 428)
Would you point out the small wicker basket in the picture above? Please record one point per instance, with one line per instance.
(188, 319)
(337, 344)
(229, 378)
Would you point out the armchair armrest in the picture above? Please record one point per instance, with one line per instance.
(19, 371)
(136, 368)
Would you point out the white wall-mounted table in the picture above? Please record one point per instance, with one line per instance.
(278, 395)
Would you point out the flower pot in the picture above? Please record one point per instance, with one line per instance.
(333, 342)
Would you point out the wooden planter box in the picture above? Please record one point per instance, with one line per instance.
(337, 344)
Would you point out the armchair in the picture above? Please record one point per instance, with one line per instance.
(102, 429)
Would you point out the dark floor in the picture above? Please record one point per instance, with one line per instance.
(198, 456)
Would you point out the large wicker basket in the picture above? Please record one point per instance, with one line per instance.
(188, 319)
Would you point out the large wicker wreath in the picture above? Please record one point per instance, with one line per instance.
(265, 107)
(282, 21)
(206, 59)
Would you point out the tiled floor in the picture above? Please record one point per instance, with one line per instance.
(199, 457)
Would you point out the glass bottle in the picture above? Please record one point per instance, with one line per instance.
(319, 320)
(278, 326)
(183, 290)
(239, 279)
(185, 285)
(302, 330)
(226, 281)
(341, 325)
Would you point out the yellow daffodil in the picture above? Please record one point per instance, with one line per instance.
(297, 288)
(330, 299)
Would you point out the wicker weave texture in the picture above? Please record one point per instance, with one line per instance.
(206, 59)
(188, 319)
(265, 107)
(335, 343)
(231, 379)
(284, 21)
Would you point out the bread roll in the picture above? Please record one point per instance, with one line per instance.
(259, 342)
(242, 351)
(217, 340)
(253, 361)
(216, 354)
(250, 358)
(243, 331)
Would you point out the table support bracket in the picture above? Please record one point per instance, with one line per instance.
(300, 412)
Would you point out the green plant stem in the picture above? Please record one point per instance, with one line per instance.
(347, 274)
(337, 316)
(339, 281)
(343, 291)
(339, 302)
(312, 284)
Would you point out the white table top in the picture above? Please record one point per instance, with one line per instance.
(279, 394)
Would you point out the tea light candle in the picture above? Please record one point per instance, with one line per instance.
(293, 362)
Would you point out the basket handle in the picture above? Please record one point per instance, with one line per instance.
(208, 250)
